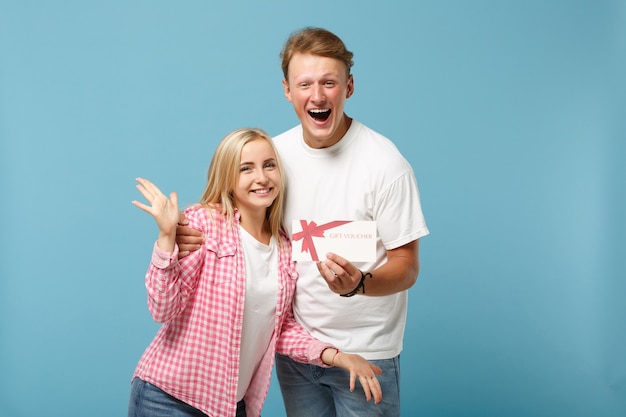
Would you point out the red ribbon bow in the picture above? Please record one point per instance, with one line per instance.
(312, 229)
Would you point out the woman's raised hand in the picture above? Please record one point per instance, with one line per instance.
(163, 209)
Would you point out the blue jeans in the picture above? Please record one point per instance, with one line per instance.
(146, 400)
(312, 391)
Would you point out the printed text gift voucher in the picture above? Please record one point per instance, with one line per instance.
(353, 240)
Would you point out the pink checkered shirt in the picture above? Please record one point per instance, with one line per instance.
(200, 300)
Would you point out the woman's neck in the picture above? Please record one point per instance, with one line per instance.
(256, 225)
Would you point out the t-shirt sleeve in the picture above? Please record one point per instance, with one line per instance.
(398, 212)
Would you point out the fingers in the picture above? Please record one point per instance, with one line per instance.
(141, 206)
(174, 199)
(334, 259)
(371, 387)
(366, 374)
(353, 381)
(341, 266)
(335, 283)
(341, 277)
(188, 234)
(164, 210)
(148, 189)
(188, 239)
(375, 388)
(182, 220)
(366, 387)
(329, 274)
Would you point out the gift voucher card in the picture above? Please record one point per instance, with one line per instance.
(353, 240)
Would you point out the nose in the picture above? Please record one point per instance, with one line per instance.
(261, 177)
(317, 95)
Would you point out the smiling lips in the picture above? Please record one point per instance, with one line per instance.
(320, 114)
(262, 191)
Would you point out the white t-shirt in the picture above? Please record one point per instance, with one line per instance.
(261, 263)
(362, 177)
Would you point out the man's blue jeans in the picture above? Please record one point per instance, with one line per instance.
(312, 391)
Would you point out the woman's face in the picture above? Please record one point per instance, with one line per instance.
(259, 179)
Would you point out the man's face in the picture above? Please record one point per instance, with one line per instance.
(318, 88)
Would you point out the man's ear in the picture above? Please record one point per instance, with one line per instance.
(287, 90)
(350, 87)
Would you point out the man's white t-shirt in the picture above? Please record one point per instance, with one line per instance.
(362, 177)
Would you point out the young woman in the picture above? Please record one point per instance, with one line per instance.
(226, 308)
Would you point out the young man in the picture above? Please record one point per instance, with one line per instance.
(338, 169)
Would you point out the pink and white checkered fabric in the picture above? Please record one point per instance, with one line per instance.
(200, 299)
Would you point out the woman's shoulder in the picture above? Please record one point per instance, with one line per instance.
(284, 234)
(204, 214)
(284, 240)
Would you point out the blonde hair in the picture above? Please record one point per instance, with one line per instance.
(315, 41)
(224, 174)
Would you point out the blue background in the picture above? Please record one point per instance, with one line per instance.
(512, 114)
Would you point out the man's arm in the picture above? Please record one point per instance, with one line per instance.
(188, 239)
(399, 273)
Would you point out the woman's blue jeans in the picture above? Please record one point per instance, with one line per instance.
(146, 400)
(313, 391)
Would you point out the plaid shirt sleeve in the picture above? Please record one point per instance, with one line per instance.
(169, 286)
(170, 283)
(294, 341)
(298, 344)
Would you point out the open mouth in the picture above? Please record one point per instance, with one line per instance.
(320, 114)
(264, 191)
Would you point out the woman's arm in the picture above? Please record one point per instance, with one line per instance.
(170, 283)
(358, 368)
(294, 341)
(169, 286)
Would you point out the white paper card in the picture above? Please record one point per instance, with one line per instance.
(353, 240)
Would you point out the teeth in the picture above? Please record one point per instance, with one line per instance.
(318, 110)
(264, 191)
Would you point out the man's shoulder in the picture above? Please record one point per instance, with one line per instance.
(376, 136)
(288, 135)
(377, 142)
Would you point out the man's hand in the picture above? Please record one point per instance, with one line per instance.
(340, 274)
(188, 239)
(399, 273)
